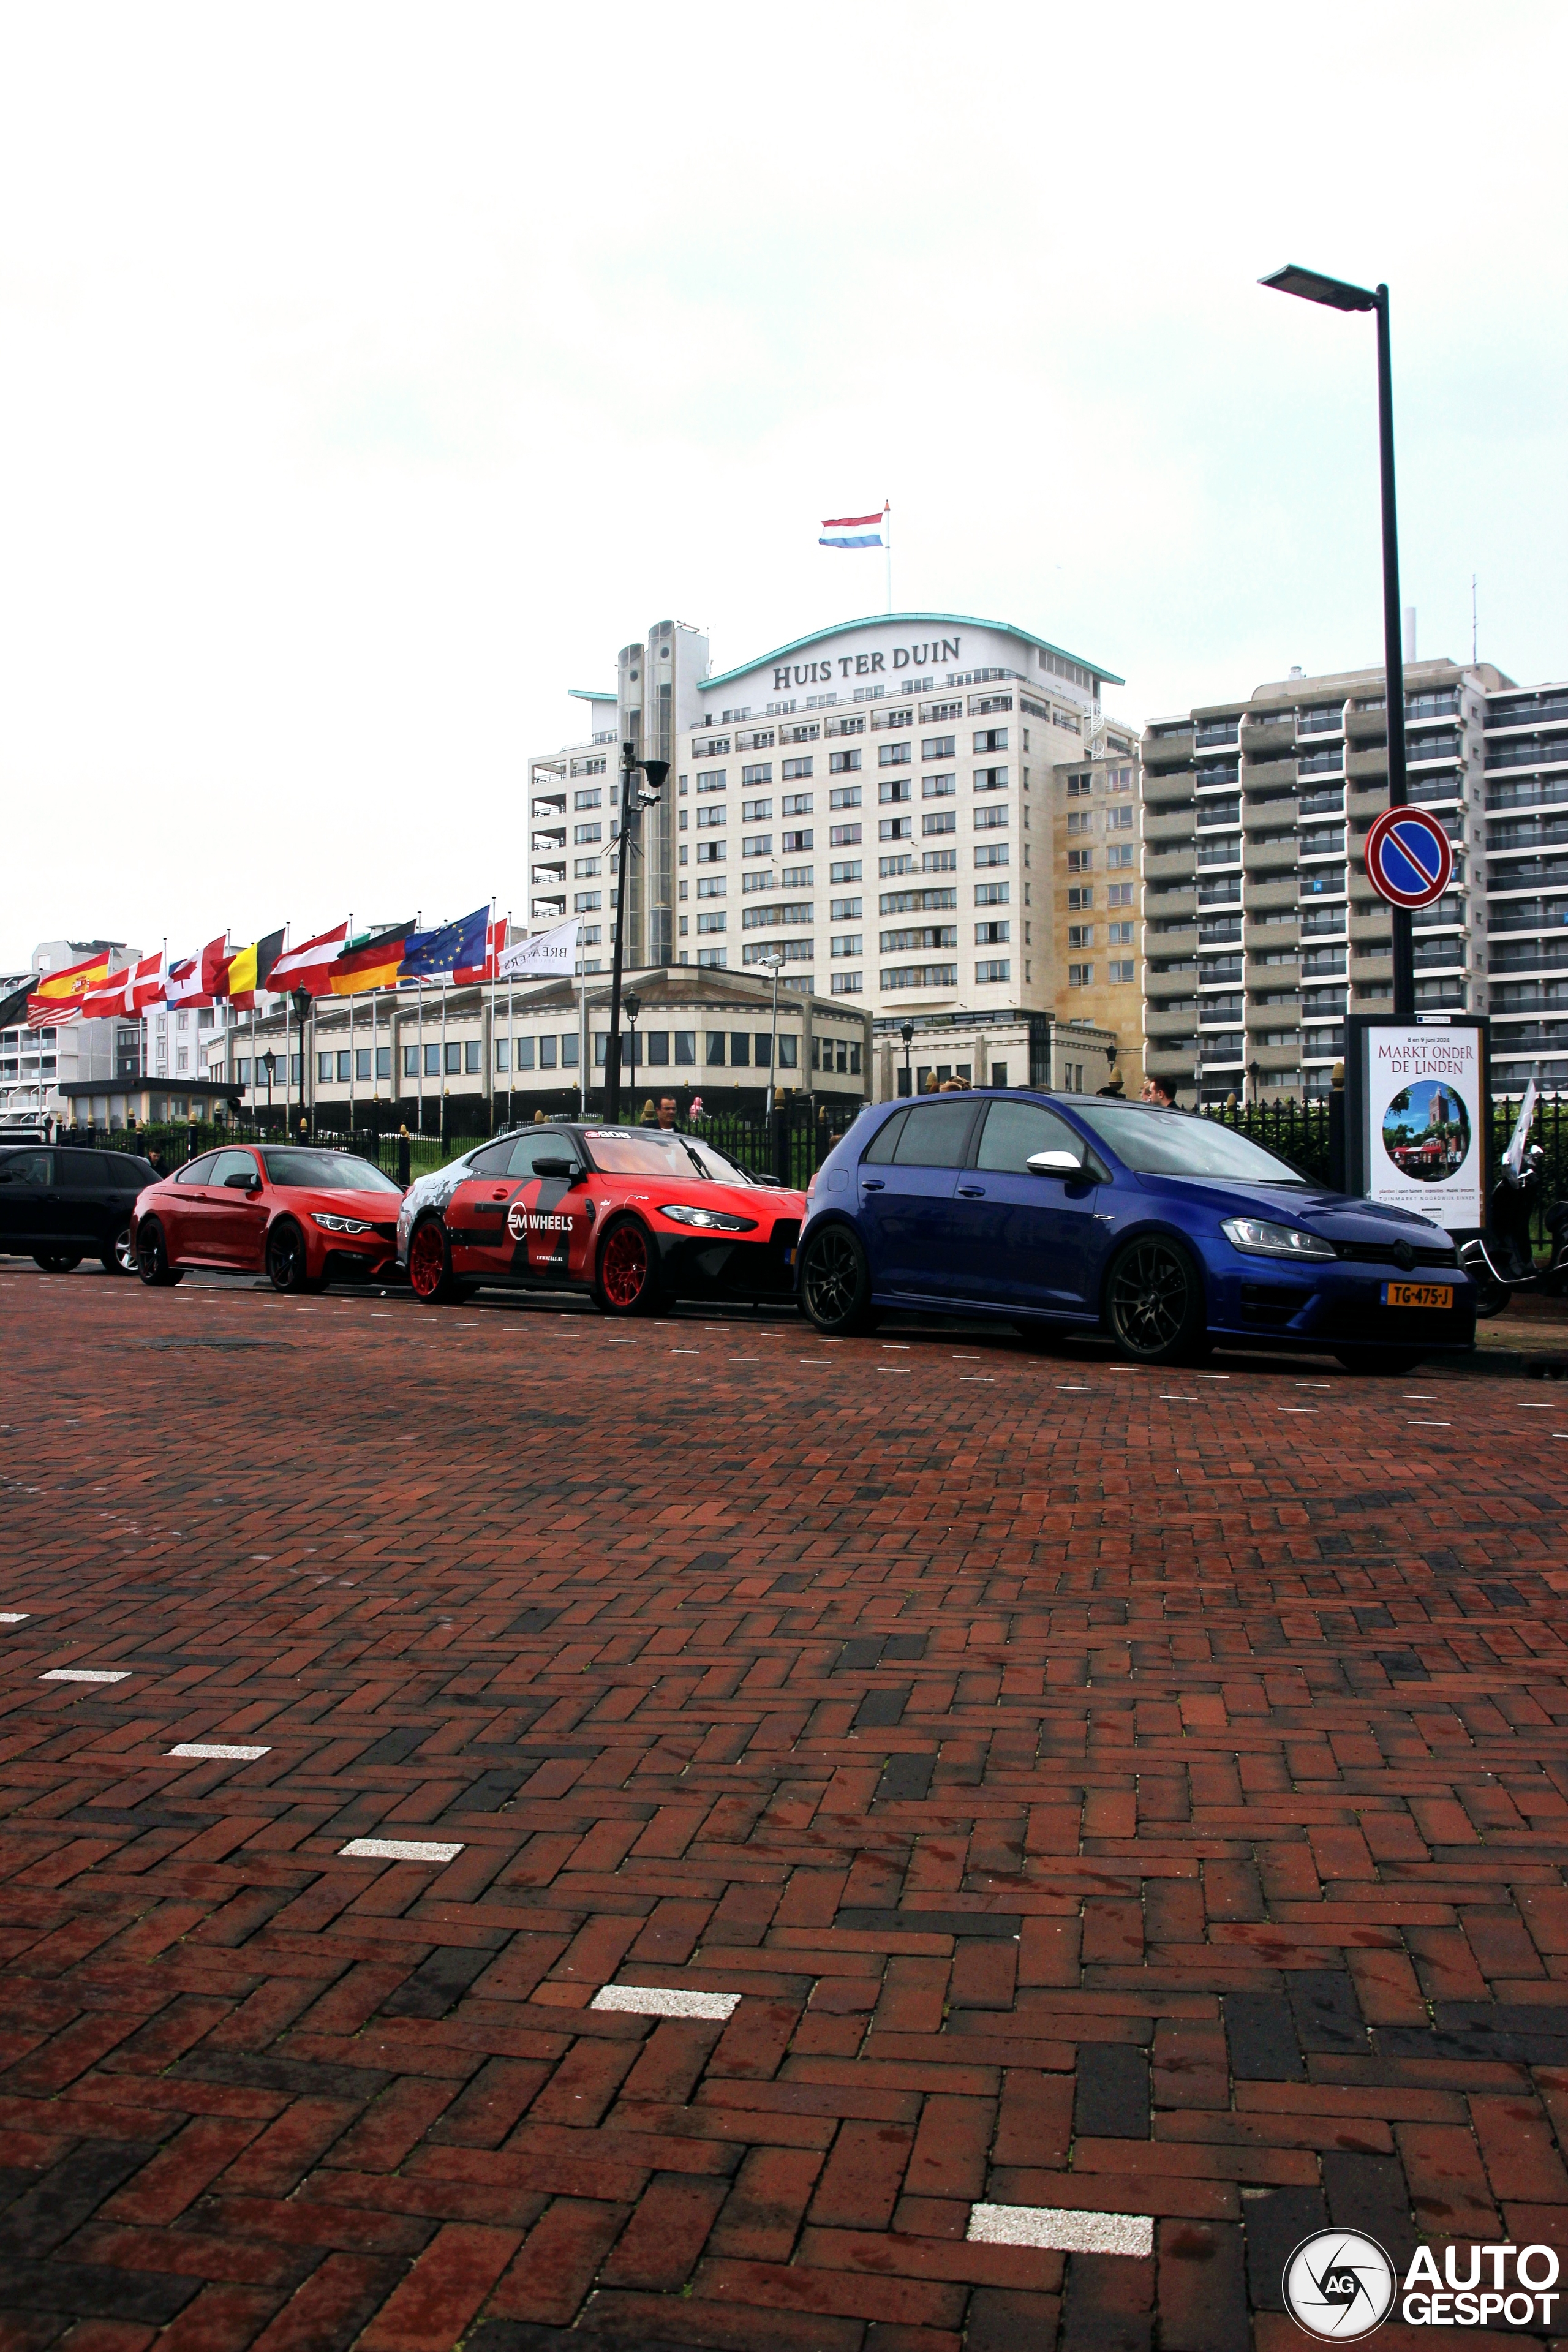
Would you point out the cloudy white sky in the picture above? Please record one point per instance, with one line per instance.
(368, 374)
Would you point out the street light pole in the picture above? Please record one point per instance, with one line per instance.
(655, 772)
(775, 968)
(1335, 294)
(907, 1031)
(300, 1000)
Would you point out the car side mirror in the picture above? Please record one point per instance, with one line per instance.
(243, 1182)
(1054, 1164)
(566, 1168)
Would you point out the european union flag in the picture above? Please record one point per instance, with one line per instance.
(430, 954)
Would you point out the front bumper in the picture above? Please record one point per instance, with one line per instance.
(724, 1265)
(1337, 1306)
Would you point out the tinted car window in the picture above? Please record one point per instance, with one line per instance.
(197, 1171)
(1014, 1131)
(232, 1163)
(493, 1160)
(885, 1142)
(84, 1171)
(25, 1167)
(326, 1171)
(936, 1136)
(646, 1152)
(527, 1151)
(1174, 1143)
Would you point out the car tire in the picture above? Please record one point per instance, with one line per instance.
(153, 1258)
(1392, 1363)
(1154, 1308)
(430, 1265)
(836, 1282)
(627, 1280)
(1491, 1295)
(286, 1261)
(120, 1257)
(55, 1261)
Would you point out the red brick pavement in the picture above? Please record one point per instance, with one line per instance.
(1140, 1792)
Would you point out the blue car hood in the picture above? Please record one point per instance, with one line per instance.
(1336, 1215)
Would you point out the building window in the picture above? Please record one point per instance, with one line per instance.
(991, 853)
(843, 836)
(999, 969)
(588, 800)
(757, 845)
(895, 755)
(411, 1061)
(711, 779)
(1119, 820)
(847, 984)
(896, 828)
(710, 852)
(756, 812)
(472, 1050)
(716, 959)
(711, 923)
(1120, 853)
(1120, 970)
(797, 841)
(990, 780)
(547, 1053)
(849, 945)
(987, 819)
(685, 1048)
(762, 773)
(1080, 975)
(841, 763)
(939, 747)
(940, 821)
(712, 816)
(432, 1061)
(848, 871)
(845, 797)
(583, 833)
(790, 767)
(797, 803)
(586, 902)
(937, 788)
(992, 935)
(1079, 861)
(323, 1069)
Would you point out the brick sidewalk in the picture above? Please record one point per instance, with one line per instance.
(1104, 1794)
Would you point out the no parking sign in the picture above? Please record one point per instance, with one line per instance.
(1409, 858)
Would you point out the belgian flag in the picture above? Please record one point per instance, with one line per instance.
(250, 969)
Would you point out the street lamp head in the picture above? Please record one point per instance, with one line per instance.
(634, 1006)
(301, 1000)
(1311, 286)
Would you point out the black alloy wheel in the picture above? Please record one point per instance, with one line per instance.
(153, 1258)
(120, 1257)
(55, 1261)
(286, 1259)
(836, 1282)
(1154, 1303)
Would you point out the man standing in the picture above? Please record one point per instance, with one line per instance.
(666, 1112)
(1160, 1091)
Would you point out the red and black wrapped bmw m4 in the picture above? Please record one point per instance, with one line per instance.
(634, 1216)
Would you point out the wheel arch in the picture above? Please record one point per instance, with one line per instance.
(1153, 1229)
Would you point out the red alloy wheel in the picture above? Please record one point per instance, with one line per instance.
(427, 1260)
(623, 1269)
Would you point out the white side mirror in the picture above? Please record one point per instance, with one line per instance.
(1054, 1164)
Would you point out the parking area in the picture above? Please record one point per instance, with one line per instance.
(533, 1830)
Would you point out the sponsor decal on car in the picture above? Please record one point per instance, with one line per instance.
(520, 1221)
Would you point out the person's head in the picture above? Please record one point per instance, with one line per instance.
(954, 1087)
(667, 1110)
(1161, 1090)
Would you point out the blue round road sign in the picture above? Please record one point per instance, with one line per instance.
(1409, 858)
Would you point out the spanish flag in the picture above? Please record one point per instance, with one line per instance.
(250, 969)
(56, 996)
(371, 960)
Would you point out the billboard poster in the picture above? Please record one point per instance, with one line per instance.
(1418, 1107)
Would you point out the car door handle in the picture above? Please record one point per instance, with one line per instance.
(500, 1193)
(972, 1191)
(874, 1183)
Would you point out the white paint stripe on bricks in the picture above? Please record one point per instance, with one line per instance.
(85, 1675)
(13, 1616)
(202, 1751)
(399, 1849)
(1061, 2229)
(659, 2000)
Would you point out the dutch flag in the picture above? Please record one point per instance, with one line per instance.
(853, 531)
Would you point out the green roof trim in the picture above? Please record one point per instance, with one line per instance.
(596, 694)
(894, 619)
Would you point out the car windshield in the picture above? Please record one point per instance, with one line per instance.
(643, 1151)
(326, 1171)
(1175, 1143)
(718, 1164)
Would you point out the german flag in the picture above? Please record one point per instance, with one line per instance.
(370, 962)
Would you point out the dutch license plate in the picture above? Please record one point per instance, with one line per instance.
(1417, 1294)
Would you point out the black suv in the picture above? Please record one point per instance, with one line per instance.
(60, 1203)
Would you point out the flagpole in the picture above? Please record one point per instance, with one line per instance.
(887, 545)
(419, 1050)
(441, 1104)
(493, 953)
(582, 1022)
(511, 1041)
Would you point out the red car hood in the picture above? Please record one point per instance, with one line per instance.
(376, 1208)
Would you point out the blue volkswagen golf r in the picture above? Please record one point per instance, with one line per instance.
(1168, 1233)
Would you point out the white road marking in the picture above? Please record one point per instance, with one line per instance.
(1429, 1425)
(14, 1616)
(1061, 2229)
(85, 1674)
(986, 1378)
(656, 2001)
(397, 1850)
(204, 1751)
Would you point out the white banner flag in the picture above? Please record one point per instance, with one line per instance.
(1513, 1157)
(549, 955)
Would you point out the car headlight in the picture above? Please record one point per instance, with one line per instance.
(716, 1220)
(340, 1224)
(1258, 1238)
